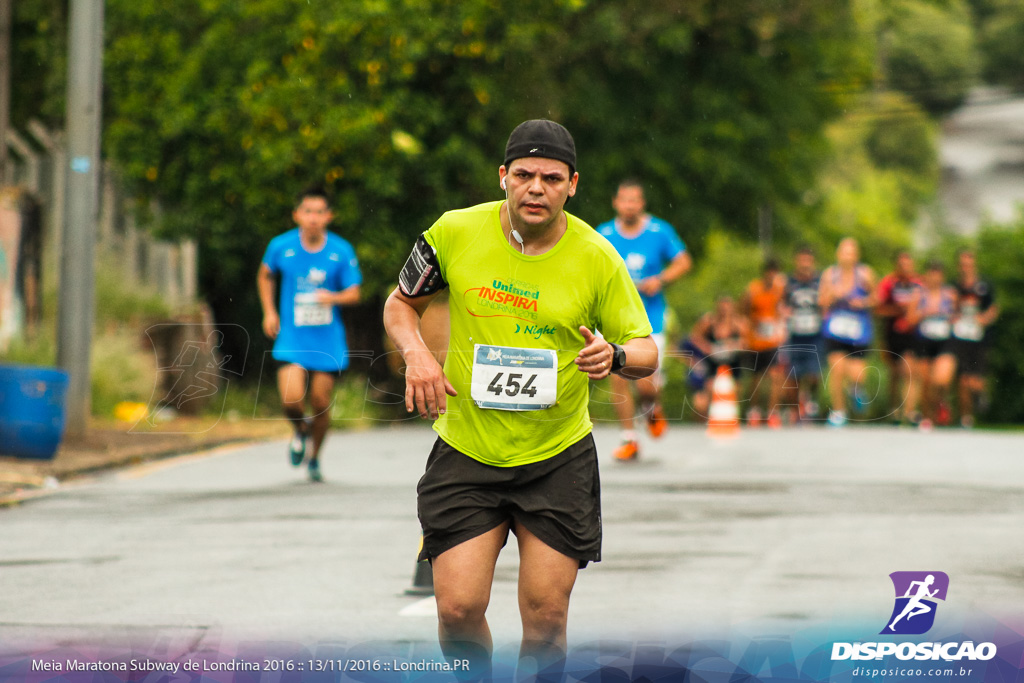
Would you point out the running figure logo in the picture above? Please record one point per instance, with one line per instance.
(916, 595)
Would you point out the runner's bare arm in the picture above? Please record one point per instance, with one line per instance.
(990, 315)
(595, 358)
(868, 301)
(426, 386)
(676, 268)
(825, 295)
(266, 286)
(699, 335)
(346, 297)
(914, 312)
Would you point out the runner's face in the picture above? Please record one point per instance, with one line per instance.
(904, 264)
(848, 253)
(312, 214)
(629, 204)
(967, 263)
(804, 264)
(934, 279)
(537, 189)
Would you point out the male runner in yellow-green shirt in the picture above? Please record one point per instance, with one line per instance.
(529, 285)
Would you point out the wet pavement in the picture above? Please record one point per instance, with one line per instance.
(774, 531)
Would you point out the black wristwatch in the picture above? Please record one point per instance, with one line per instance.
(618, 357)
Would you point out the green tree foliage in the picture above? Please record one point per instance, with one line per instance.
(1001, 38)
(39, 39)
(222, 110)
(884, 165)
(1000, 251)
(728, 263)
(928, 48)
(719, 107)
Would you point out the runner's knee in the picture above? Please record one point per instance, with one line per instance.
(544, 619)
(457, 613)
(293, 408)
(320, 404)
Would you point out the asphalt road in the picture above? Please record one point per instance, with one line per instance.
(772, 532)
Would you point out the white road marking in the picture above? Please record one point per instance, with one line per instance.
(427, 607)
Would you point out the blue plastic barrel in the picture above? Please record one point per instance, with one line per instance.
(31, 411)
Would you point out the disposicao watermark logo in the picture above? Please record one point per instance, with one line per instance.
(916, 595)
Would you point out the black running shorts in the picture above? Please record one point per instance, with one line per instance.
(558, 500)
(971, 356)
(846, 348)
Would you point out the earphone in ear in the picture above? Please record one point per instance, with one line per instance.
(515, 233)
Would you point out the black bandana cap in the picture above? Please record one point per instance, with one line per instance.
(541, 138)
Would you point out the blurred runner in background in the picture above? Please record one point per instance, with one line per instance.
(766, 332)
(931, 310)
(894, 294)
(655, 257)
(977, 310)
(804, 351)
(846, 296)
(319, 273)
(718, 339)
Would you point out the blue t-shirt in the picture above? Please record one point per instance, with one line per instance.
(646, 254)
(312, 335)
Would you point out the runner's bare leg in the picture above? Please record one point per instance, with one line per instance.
(546, 578)
(462, 585)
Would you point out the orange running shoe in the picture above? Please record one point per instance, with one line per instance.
(628, 451)
(774, 421)
(754, 417)
(656, 422)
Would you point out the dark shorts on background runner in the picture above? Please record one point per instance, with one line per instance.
(558, 500)
(971, 356)
(805, 356)
(845, 348)
(282, 364)
(901, 343)
(931, 349)
(763, 360)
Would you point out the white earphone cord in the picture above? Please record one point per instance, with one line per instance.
(508, 210)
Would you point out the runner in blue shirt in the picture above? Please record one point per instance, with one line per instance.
(655, 257)
(318, 273)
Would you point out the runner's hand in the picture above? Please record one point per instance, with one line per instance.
(649, 286)
(426, 386)
(595, 358)
(325, 296)
(271, 324)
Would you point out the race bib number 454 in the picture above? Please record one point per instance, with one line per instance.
(511, 378)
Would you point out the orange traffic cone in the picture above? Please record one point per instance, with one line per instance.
(724, 413)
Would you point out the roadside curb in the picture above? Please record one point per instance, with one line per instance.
(40, 486)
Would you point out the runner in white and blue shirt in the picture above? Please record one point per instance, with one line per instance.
(318, 274)
(655, 257)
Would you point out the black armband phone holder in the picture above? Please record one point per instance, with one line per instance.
(421, 274)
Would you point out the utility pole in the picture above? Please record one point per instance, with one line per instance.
(6, 7)
(76, 305)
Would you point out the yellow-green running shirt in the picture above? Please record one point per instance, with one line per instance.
(501, 297)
